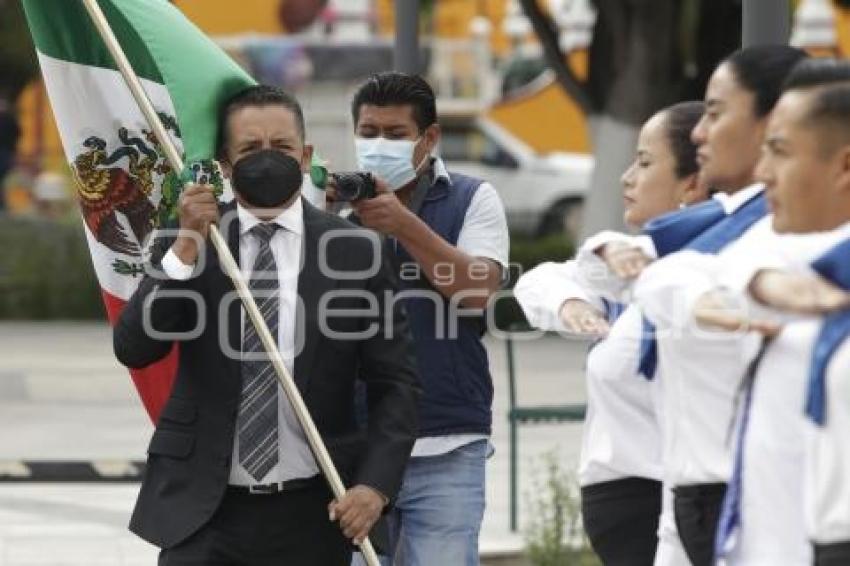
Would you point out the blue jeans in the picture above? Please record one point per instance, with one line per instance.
(437, 517)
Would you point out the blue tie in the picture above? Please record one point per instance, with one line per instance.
(835, 267)
(730, 513)
(613, 310)
(709, 231)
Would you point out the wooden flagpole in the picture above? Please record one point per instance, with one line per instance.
(320, 451)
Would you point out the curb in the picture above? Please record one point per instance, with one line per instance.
(60, 471)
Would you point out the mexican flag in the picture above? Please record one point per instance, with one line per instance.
(125, 187)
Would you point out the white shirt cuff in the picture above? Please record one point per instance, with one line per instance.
(176, 269)
(594, 269)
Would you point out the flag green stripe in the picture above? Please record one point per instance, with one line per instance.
(63, 30)
(161, 44)
(199, 75)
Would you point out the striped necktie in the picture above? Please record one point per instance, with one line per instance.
(258, 404)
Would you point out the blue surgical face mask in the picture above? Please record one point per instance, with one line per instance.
(389, 160)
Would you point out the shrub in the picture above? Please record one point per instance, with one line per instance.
(554, 535)
(46, 271)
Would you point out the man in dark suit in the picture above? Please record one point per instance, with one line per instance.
(231, 479)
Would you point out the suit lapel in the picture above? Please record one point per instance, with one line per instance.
(312, 284)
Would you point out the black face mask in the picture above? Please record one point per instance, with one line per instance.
(267, 178)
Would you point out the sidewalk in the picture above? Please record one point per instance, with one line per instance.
(63, 397)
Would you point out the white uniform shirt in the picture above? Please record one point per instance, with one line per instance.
(771, 529)
(484, 234)
(778, 515)
(827, 463)
(827, 486)
(621, 436)
(701, 370)
(295, 458)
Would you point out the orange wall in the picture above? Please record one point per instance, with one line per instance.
(452, 19)
(547, 120)
(225, 17)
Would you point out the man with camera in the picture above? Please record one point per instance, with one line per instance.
(448, 237)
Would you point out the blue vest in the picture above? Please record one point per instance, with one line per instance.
(453, 367)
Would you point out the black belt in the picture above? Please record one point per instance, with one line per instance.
(832, 554)
(277, 487)
(700, 490)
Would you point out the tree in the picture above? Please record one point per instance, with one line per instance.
(645, 54)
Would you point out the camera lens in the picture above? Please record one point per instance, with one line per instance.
(354, 186)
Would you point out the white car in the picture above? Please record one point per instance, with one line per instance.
(542, 194)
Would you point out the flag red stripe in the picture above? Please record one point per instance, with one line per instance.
(153, 382)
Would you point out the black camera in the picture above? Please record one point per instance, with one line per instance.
(354, 186)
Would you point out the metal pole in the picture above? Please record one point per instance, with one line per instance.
(509, 344)
(406, 55)
(318, 447)
(765, 22)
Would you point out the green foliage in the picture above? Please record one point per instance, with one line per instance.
(530, 252)
(46, 271)
(18, 63)
(554, 534)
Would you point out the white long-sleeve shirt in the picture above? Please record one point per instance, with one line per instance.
(827, 489)
(771, 527)
(621, 436)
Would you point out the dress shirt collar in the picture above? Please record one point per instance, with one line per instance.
(733, 202)
(440, 172)
(291, 219)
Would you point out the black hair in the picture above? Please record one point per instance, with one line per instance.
(679, 121)
(762, 70)
(817, 72)
(398, 89)
(258, 95)
(829, 108)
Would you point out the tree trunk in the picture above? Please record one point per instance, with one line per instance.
(635, 71)
(615, 143)
(636, 68)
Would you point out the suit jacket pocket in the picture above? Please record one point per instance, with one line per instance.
(179, 411)
(172, 443)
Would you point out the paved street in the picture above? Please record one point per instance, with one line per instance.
(63, 397)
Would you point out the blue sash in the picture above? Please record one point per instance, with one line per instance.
(670, 232)
(835, 267)
(713, 233)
